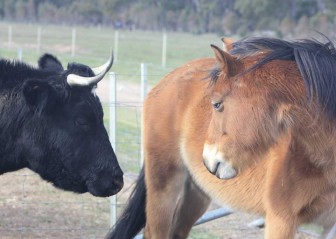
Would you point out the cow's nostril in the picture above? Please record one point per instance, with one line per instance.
(117, 172)
(118, 182)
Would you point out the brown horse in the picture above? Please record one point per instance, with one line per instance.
(263, 124)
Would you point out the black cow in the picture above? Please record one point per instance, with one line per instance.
(51, 122)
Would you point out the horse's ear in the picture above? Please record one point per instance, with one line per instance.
(227, 62)
(228, 43)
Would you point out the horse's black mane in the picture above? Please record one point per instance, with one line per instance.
(315, 60)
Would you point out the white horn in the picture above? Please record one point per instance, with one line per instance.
(76, 80)
(105, 67)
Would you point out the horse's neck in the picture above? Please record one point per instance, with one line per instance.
(319, 146)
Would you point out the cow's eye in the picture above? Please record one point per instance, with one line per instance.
(82, 123)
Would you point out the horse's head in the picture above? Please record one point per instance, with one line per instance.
(250, 111)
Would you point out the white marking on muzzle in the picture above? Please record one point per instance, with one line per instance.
(216, 163)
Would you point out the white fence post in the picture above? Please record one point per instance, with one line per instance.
(164, 49)
(10, 36)
(143, 96)
(112, 131)
(38, 40)
(73, 42)
(116, 45)
(19, 54)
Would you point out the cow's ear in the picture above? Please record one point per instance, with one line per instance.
(50, 63)
(39, 95)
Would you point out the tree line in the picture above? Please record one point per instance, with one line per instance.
(228, 17)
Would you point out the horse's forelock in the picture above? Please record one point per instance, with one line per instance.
(214, 74)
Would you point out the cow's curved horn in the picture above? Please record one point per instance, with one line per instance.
(106, 67)
(76, 80)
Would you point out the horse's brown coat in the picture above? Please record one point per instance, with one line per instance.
(282, 149)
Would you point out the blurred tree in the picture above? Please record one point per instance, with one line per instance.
(302, 28)
(2, 9)
(330, 5)
(20, 10)
(31, 10)
(166, 11)
(260, 14)
(306, 8)
(112, 10)
(9, 9)
(198, 16)
(47, 12)
(57, 3)
(86, 11)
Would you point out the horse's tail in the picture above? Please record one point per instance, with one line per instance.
(133, 218)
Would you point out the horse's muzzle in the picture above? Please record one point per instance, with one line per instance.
(216, 164)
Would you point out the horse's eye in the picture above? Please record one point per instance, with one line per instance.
(82, 123)
(217, 106)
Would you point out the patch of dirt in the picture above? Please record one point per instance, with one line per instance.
(128, 93)
(31, 208)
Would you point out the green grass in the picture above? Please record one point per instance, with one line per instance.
(93, 45)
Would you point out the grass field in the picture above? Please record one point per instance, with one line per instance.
(94, 43)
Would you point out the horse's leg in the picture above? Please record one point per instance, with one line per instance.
(192, 204)
(278, 226)
(164, 181)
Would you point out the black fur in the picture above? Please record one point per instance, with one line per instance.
(315, 60)
(54, 129)
(133, 218)
(48, 62)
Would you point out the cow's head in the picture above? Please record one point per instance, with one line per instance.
(63, 138)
